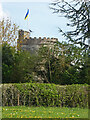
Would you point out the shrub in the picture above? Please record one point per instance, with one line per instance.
(42, 94)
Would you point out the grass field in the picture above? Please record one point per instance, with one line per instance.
(43, 112)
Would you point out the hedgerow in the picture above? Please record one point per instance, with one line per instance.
(43, 94)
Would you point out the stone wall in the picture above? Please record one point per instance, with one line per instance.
(33, 44)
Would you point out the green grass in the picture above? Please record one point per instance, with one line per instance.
(43, 112)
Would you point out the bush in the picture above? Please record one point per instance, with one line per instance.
(8, 59)
(41, 94)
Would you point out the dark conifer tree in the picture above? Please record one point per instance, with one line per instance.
(78, 12)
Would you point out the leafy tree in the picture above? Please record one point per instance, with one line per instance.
(84, 73)
(18, 66)
(24, 69)
(62, 65)
(46, 57)
(8, 38)
(67, 65)
(8, 59)
(0, 63)
(78, 12)
(8, 32)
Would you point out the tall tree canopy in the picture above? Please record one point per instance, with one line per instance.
(8, 41)
(8, 32)
(78, 12)
(8, 60)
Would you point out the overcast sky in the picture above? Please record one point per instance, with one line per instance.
(41, 20)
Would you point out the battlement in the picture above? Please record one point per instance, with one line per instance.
(26, 35)
(30, 43)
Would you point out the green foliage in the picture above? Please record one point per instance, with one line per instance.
(85, 70)
(24, 67)
(64, 64)
(42, 94)
(17, 66)
(77, 12)
(8, 36)
(49, 65)
(8, 58)
(46, 56)
(60, 65)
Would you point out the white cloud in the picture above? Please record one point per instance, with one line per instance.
(2, 13)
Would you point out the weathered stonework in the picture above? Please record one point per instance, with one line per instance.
(33, 44)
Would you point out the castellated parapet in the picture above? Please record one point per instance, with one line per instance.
(33, 44)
